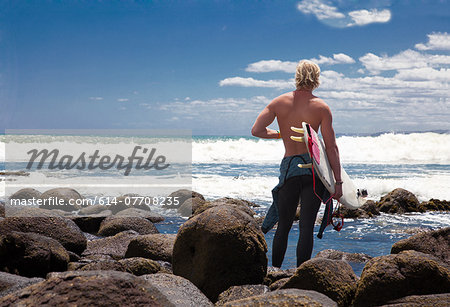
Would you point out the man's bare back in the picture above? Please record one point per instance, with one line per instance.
(293, 108)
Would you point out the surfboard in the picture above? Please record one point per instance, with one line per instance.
(351, 197)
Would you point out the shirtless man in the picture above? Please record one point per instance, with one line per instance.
(291, 109)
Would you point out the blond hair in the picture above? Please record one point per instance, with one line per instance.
(307, 75)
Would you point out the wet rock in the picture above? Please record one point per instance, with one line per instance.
(12, 282)
(153, 246)
(146, 214)
(287, 297)
(278, 284)
(93, 209)
(339, 255)
(140, 266)
(226, 201)
(179, 197)
(31, 254)
(190, 205)
(91, 223)
(390, 277)
(114, 224)
(24, 194)
(334, 278)
(220, 248)
(369, 209)
(274, 274)
(239, 292)
(436, 243)
(61, 229)
(114, 246)
(399, 201)
(106, 288)
(434, 205)
(67, 196)
(435, 300)
(178, 290)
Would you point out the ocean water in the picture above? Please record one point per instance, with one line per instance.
(248, 168)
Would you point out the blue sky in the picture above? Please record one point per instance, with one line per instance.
(211, 66)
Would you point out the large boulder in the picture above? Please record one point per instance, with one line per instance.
(27, 194)
(239, 292)
(114, 224)
(334, 278)
(31, 254)
(114, 246)
(177, 198)
(369, 209)
(180, 291)
(12, 282)
(435, 300)
(288, 297)
(107, 288)
(127, 201)
(146, 214)
(61, 229)
(220, 248)
(435, 243)
(386, 278)
(399, 201)
(190, 205)
(153, 246)
(240, 204)
(435, 205)
(61, 198)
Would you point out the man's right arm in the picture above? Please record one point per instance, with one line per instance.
(331, 149)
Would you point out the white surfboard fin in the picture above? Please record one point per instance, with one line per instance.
(297, 138)
(309, 165)
(298, 130)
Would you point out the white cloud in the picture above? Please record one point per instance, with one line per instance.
(365, 17)
(250, 82)
(407, 59)
(331, 15)
(96, 98)
(122, 99)
(426, 73)
(436, 41)
(289, 66)
(320, 9)
(339, 58)
(272, 65)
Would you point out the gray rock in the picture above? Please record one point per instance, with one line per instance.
(435, 300)
(190, 205)
(107, 288)
(31, 254)
(146, 214)
(239, 292)
(114, 224)
(334, 278)
(25, 194)
(61, 229)
(399, 201)
(390, 277)
(67, 195)
(140, 266)
(288, 297)
(434, 242)
(114, 246)
(12, 282)
(178, 290)
(179, 197)
(153, 246)
(220, 248)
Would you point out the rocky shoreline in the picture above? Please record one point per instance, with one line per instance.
(115, 256)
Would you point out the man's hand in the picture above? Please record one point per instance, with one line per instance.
(337, 191)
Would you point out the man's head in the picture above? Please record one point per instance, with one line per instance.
(307, 75)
